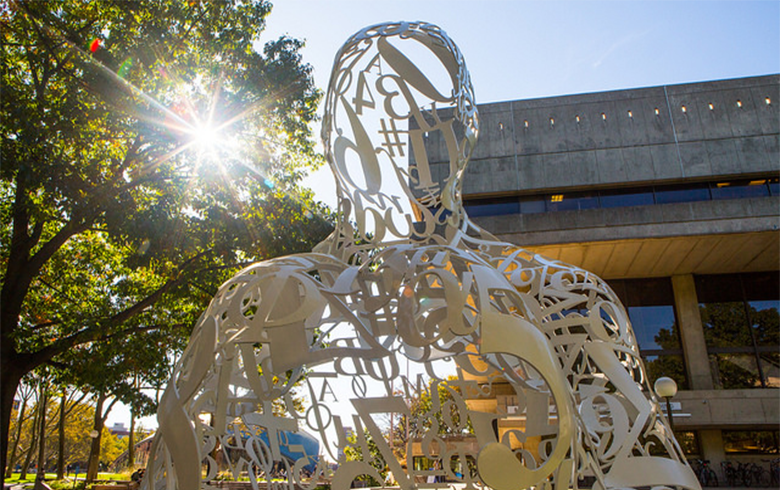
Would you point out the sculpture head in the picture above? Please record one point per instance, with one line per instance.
(392, 86)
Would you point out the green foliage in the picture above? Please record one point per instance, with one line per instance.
(118, 220)
(77, 428)
(726, 325)
(437, 409)
(353, 451)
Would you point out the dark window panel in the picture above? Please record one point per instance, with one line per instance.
(774, 186)
(649, 292)
(761, 285)
(718, 288)
(739, 189)
(634, 197)
(666, 195)
(492, 209)
(530, 206)
(572, 202)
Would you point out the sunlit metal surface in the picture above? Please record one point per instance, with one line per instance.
(528, 367)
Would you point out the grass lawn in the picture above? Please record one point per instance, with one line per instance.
(52, 476)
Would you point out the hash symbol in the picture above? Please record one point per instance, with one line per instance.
(396, 140)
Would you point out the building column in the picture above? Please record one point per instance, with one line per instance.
(711, 441)
(697, 362)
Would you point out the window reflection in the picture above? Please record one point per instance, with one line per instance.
(751, 441)
(739, 313)
(650, 304)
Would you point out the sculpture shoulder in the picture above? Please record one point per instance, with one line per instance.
(537, 273)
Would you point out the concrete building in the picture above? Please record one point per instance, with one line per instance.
(671, 194)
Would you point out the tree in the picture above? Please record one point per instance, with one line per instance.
(119, 214)
(740, 325)
(26, 392)
(668, 364)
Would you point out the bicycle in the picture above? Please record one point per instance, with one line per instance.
(706, 475)
(774, 472)
(729, 472)
(758, 475)
(749, 474)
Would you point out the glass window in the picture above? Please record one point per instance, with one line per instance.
(670, 365)
(668, 195)
(532, 205)
(734, 371)
(739, 189)
(572, 201)
(492, 208)
(751, 441)
(774, 186)
(623, 198)
(688, 442)
(741, 323)
(650, 305)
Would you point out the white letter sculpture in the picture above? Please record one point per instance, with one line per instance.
(411, 345)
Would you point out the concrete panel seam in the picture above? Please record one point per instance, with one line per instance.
(674, 131)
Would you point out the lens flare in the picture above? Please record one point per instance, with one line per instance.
(125, 67)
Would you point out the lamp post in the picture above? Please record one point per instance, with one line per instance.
(666, 388)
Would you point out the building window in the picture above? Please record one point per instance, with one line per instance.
(642, 196)
(573, 201)
(650, 304)
(623, 197)
(689, 442)
(751, 441)
(739, 313)
(740, 189)
(497, 208)
(675, 194)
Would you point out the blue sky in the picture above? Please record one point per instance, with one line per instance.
(526, 49)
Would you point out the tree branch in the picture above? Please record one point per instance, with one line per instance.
(92, 333)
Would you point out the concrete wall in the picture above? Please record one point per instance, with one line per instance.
(728, 409)
(648, 135)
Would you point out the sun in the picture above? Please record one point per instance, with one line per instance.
(206, 138)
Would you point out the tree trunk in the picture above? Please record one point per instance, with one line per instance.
(40, 475)
(33, 440)
(61, 448)
(131, 442)
(12, 459)
(10, 375)
(94, 451)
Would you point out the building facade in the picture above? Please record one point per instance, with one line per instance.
(671, 194)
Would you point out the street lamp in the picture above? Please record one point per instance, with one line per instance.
(666, 388)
